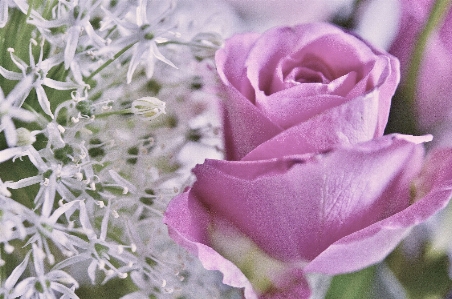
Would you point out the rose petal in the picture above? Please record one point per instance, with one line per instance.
(230, 62)
(187, 223)
(373, 243)
(294, 208)
(352, 122)
(244, 126)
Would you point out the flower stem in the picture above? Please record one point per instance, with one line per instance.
(109, 61)
(120, 112)
(437, 14)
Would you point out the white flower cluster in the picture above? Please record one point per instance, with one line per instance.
(98, 101)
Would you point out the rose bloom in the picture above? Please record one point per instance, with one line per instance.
(308, 86)
(266, 224)
(433, 104)
(317, 188)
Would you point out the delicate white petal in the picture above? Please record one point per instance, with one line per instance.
(38, 259)
(51, 61)
(17, 272)
(72, 41)
(62, 277)
(84, 219)
(65, 193)
(121, 181)
(23, 286)
(59, 85)
(136, 57)
(17, 96)
(156, 52)
(9, 74)
(141, 13)
(104, 225)
(19, 62)
(97, 40)
(23, 6)
(60, 211)
(92, 271)
(70, 261)
(43, 23)
(54, 135)
(36, 159)
(150, 67)
(67, 292)
(49, 196)
(43, 100)
(10, 131)
(9, 153)
(25, 182)
(3, 13)
(22, 114)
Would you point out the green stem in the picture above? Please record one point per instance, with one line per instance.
(30, 8)
(437, 14)
(121, 112)
(109, 61)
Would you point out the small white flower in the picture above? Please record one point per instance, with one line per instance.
(148, 107)
(35, 76)
(7, 112)
(76, 15)
(145, 36)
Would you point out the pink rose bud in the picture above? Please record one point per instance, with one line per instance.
(433, 101)
(305, 88)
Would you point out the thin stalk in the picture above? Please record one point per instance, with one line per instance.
(109, 61)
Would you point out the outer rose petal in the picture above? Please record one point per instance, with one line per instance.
(231, 61)
(373, 243)
(187, 224)
(433, 190)
(373, 218)
(294, 208)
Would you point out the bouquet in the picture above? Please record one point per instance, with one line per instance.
(225, 149)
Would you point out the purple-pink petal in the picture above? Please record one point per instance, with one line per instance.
(295, 207)
(231, 61)
(188, 223)
(350, 123)
(244, 126)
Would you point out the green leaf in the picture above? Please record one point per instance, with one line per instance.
(356, 285)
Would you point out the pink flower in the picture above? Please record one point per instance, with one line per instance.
(265, 224)
(302, 89)
(433, 104)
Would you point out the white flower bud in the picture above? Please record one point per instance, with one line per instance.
(148, 107)
(24, 137)
(205, 44)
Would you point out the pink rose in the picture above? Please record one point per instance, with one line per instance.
(302, 89)
(266, 223)
(433, 101)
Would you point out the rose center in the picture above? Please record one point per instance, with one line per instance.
(310, 69)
